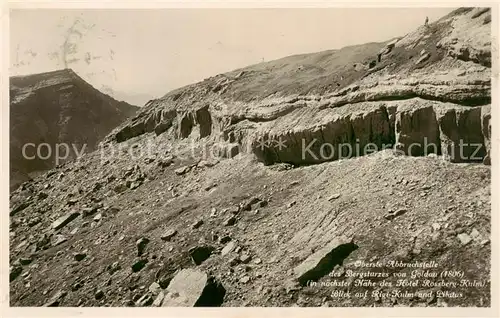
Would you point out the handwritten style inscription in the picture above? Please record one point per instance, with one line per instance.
(397, 280)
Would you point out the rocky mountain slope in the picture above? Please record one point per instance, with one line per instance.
(205, 198)
(57, 107)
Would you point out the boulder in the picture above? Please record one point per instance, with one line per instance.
(193, 288)
(15, 271)
(87, 211)
(228, 248)
(245, 258)
(324, 260)
(245, 279)
(99, 294)
(464, 238)
(42, 196)
(56, 300)
(230, 221)
(159, 299)
(199, 254)
(225, 239)
(154, 288)
(182, 170)
(79, 256)
(169, 234)
(59, 239)
(393, 214)
(197, 224)
(334, 197)
(25, 261)
(138, 265)
(141, 245)
(19, 207)
(144, 301)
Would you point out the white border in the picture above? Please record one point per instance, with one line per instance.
(248, 311)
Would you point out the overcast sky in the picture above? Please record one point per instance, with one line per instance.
(146, 53)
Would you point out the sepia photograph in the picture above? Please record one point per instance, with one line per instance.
(250, 157)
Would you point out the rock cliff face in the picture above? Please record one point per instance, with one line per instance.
(238, 190)
(429, 86)
(53, 108)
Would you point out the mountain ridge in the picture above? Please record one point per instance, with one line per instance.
(64, 108)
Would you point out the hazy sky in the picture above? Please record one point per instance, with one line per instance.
(152, 51)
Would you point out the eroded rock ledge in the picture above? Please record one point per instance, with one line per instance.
(302, 132)
(415, 128)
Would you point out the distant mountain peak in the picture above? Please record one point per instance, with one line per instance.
(58, 107)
